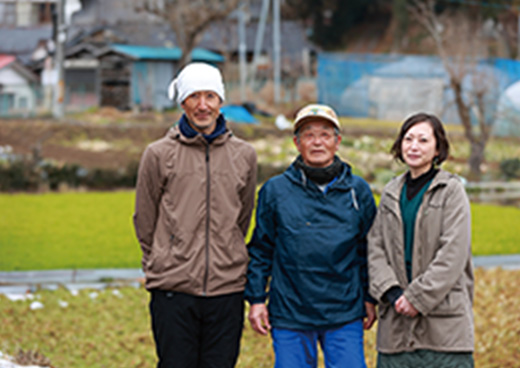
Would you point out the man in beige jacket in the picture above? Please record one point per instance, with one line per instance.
(194, 198)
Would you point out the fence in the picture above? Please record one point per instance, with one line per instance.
(483, 192)
(494, 191)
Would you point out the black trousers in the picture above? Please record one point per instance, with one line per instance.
(196, 332)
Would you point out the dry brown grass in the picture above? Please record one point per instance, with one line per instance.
(111, 329)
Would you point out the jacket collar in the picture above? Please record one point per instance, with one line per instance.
(297, 176)
(175, 134)
(394, 187)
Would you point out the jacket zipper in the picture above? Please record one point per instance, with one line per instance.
(208, 187)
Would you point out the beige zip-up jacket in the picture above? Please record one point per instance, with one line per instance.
(442, 272)
(192, 211)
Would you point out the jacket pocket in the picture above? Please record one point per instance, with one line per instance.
(238, 251)
(162, 254)
(452, 305)
(383, 310)
(153, 261)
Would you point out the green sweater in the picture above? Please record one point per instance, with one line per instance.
(409, 209)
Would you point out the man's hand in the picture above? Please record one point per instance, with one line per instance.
(403, 306)
(259, 318)
(371, 317)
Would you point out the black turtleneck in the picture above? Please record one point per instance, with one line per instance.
(414, 186)
(321, 175)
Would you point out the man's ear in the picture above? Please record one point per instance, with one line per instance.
(296, 143)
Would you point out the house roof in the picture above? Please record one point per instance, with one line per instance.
(156, 35)
(14, 64)
(224, 36)
(164, 53)
(22, 41)
(109, 12)
(6, 60)
(220, 36)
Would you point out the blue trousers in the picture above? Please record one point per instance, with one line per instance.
(342, 347)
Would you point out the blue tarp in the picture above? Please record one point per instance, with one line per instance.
(238, 114)
(393, 86)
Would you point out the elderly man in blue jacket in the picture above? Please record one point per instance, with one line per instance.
(310, 241)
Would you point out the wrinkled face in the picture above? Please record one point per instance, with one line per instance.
(317, 143)
(419, 148)
(202, 109)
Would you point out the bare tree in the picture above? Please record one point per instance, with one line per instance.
(460, 45)
(188, 18)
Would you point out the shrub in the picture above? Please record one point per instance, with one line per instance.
(21, 174)
(102, 179)
(510, 168)
(67, 174)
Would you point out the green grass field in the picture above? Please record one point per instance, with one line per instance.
(94, 230)
(67, 231)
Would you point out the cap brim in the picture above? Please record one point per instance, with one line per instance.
(298, 124)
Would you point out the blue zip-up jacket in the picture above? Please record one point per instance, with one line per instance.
(313, 246)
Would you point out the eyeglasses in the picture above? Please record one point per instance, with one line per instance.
(312, 136)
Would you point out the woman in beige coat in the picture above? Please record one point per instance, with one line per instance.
(419, 255)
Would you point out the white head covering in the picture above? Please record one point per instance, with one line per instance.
(196, 77)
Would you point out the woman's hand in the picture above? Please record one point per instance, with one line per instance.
(404, 307)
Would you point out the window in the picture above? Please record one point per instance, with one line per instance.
(6, 103)
(45, 11)
(8, 14)
(23, 103)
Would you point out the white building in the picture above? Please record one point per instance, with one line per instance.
(30, 13)
(17, 87)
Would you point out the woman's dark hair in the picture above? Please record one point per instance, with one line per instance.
(443, 146)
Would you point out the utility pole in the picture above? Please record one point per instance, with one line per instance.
(276, 50)
(61, 37)
(259, 39)
(242, 50)
(518, 36)
(276, 45)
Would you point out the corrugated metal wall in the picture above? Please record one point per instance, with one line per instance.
(150, 81)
